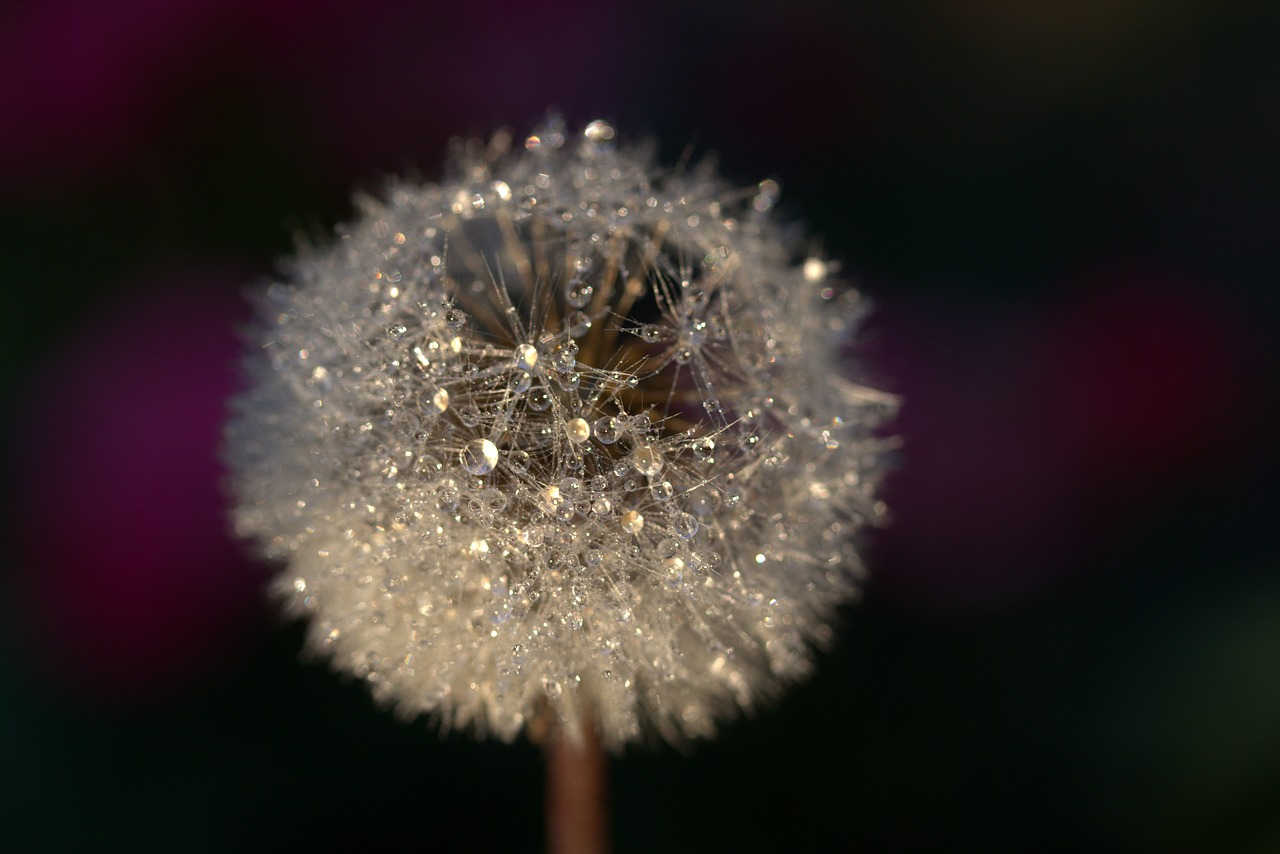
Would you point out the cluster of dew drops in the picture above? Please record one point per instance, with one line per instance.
(572, 390)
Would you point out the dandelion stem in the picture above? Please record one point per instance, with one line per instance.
(577, 791)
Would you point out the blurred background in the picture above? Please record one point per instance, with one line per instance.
(1067, 214)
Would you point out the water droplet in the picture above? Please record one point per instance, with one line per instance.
(578, 430)
(320, 379)
(500, 612)
(455, 318)
(579, 324)
(684, 525)
(598, 131)
(647, 460)
(540, 400)
(607, 430)
(632, 522)
(518, 461)
(674, 570)
(552, 498)
(479, 456)
(519, 382)
(566, 359)
(661, 491)
(577, 293)
(526, 357)
(440, 400)
(397, 331)
(427, 467)
(696, 333)
(815, 270)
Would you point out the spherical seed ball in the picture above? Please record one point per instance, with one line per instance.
(567, 433)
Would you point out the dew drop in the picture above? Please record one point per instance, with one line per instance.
(598, 131)
(427, 467)
(566, 360)
(526, 357)
(540, 400)
(647, 460)
(577, 293)
(607, 430)
(684, 525)
(674, 569)
(815, 270)
(440, 400)
(632, 521)
(519, 382)
(479, 456)
(518, 461)
(578, 430)
(579, 324)
(661, 491)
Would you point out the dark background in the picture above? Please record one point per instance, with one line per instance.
(1067, 213)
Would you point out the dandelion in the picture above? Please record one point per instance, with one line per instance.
(565, 438)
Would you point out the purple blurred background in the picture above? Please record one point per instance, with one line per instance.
(1066, 213)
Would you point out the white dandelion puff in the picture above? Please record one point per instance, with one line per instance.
(565, 434)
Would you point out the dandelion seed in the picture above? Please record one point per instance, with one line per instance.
(570, 432)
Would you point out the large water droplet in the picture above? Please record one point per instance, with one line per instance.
(479, 456)
(632, 521)
(578, 430)
(647, 460)
(684, 525)
(539, 400)
(519, 382)
(518, 461)
(577, 293)
(579, 324)
(439, 401)
(607, 430)
(526, 357)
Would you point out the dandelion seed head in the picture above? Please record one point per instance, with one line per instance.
(565, 432)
